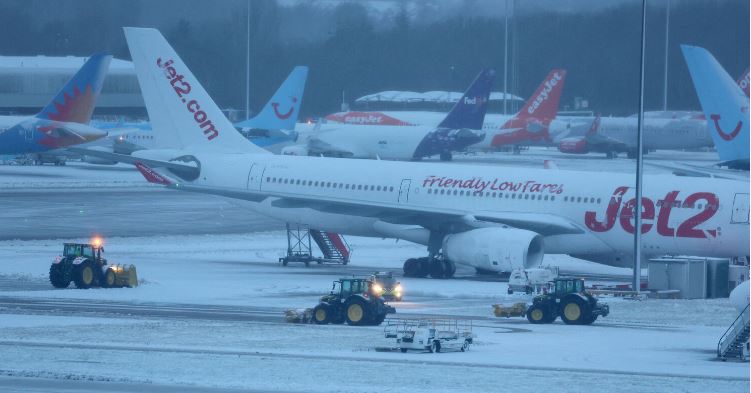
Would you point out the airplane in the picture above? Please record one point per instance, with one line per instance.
(64, 120)
(531, 124)
(490, 218)
(460, 128)
(725, 105)
(272, 129)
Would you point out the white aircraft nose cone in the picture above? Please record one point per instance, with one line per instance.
(739, 296)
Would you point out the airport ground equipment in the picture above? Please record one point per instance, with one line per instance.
(431, 335)
(530, 280)
(352, 300)
(86, 267)
(303, 315)
(516, 310)
(300, 246)
(568, 299)
(385, 284)
(734, 344)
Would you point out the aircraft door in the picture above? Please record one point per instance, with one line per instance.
(404, 190)
(255, 177)
(740, 209)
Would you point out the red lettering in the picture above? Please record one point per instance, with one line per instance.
(627, 215)
(590, 218)
(663, 220)
(688, 228)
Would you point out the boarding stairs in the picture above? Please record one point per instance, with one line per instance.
(733, 344)
(334, 247)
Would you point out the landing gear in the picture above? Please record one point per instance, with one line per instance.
(435, 267)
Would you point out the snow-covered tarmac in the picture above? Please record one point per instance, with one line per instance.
(208, 315)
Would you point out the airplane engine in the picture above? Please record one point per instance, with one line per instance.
(296, 150)
(98, 160)
(573, 146)
(495, 249)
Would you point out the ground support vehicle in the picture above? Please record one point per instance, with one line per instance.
(352, 300)
(431, 335)
(568, 299)
(84, 265)
(387, 286)
(530, 280)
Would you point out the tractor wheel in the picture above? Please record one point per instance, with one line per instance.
(437, 269)
(411, 267)
(537, 314)
(378, 319)
(574, 310)
(590, 320)
(321, 315)
(356, 312)
(465, 346)
(84, 275)
(109, 279)
(60, 275)
(434, 347)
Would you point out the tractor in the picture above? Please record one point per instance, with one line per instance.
(568, 299)
(353, 300)
(84, 265)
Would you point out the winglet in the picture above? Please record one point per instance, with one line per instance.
(152, 176)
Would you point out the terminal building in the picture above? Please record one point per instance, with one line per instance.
(27, 83)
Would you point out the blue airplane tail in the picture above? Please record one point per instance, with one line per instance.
(724, 105)
(469, 111)
(76, 100)
(281, 112)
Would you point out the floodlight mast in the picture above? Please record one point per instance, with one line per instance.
(639, 151)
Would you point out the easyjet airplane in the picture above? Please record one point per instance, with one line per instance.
(490, 218)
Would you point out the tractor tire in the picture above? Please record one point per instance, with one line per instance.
(437, 269)
(465, 346)
(60, 275)
(411, 267)
(356, 312)
(109, 279)
(537, 314)
(434, 347)
(378, 319)
(590, 320)
(574, 310)
(321, 314)
(84, 275)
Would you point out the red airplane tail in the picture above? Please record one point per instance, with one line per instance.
(543, 104)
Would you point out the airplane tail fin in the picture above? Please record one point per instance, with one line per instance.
(76, 100)
(543, 104)
(595, 125)
(282, 110)
(723, 103)
(743, 82)
(182, 113)
(469, 111)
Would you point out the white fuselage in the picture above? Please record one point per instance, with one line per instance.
(688, 216)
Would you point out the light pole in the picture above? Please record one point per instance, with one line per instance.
(505, 60)
(639, 148)
(667, 48)
(247, 69)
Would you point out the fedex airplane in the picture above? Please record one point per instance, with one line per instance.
(493, 219)
(460, 128)
(530, 125)
(64, 120)
(725, 105)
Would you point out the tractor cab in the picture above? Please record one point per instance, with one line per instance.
(346, 287)
(93, 250)
(564, 286)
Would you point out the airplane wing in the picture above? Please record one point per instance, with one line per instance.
(683, 169)
(186, 170)
(429, 217)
